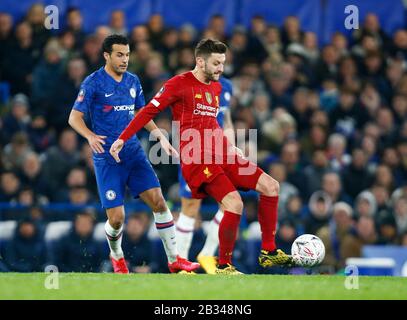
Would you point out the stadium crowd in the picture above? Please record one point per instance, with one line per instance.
(331, 121)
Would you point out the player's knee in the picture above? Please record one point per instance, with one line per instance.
(270, 187)
(159, 205)
(116, 222)
(233, 203)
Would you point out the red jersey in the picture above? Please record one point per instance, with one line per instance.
(195, 105)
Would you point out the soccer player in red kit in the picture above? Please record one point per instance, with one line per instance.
(209, 163)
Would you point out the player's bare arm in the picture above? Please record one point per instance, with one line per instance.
(165, 144)
(77, 122)
(151, 127)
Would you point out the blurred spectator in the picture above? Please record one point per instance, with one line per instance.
(319, 212)
(66, 92)
(9, 185)
(74, 24)
(187, 36)
(290, 157)
(78, 196)
(340, 43)
(61, 158)
(41, 136)
(6, 29)
(217, 26)
(347, 116)
(19, 117)
(15, 152)
(384, 178)
(26, 252)
(295, 211)
(300, 109)
(399, 49)
(273, 45)
(78, 251)
(332, 235)
(316, 170)
(139, 33)
(139, 57)
(332, 185)
(365, 205)
(91, 53)
(155, 27)
(387, 230)
(46, 77)
(365, 234)
(76, 177)
(32, 175)
(291, 31)
(400, 214)
(118, 22)
(371, 26)
(286, 234)
(313, 140)
(337, 155)
(328, 65)
(355, 176)
(20, 60)
(137, 247)
(287, 190)
(36, 18)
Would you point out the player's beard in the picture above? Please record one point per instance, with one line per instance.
(119, 71)
(210, 76)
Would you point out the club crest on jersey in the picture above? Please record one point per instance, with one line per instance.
(81, 95)
(208, 97)
(217, 100)
(159, 93)
(133, 92)
(110, 195)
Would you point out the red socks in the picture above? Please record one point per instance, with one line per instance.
(268, 221)
(228, 229)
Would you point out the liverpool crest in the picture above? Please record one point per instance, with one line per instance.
(208, 97)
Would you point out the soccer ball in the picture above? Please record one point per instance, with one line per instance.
(308, 250)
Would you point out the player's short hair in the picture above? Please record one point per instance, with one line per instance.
(206, 47)
(113, 39)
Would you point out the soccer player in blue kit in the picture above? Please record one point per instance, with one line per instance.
(190, 207)
(110, 97)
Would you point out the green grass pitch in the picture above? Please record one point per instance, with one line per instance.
(198, 287)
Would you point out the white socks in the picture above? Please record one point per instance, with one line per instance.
(114, 238)
(212, 238)
(185, 231)
(166, 229)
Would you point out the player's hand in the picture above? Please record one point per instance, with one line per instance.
(168, 148)
(116, 147)
(96, 143)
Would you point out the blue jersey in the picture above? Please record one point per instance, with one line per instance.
(224, 101)
(110, 105)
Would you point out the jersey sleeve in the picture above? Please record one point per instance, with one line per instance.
(85, 97)
(167, 95)
(140, 100)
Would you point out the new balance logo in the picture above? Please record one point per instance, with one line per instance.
(108, 95)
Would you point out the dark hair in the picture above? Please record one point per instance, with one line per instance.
(207, 46)
(113, 39)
